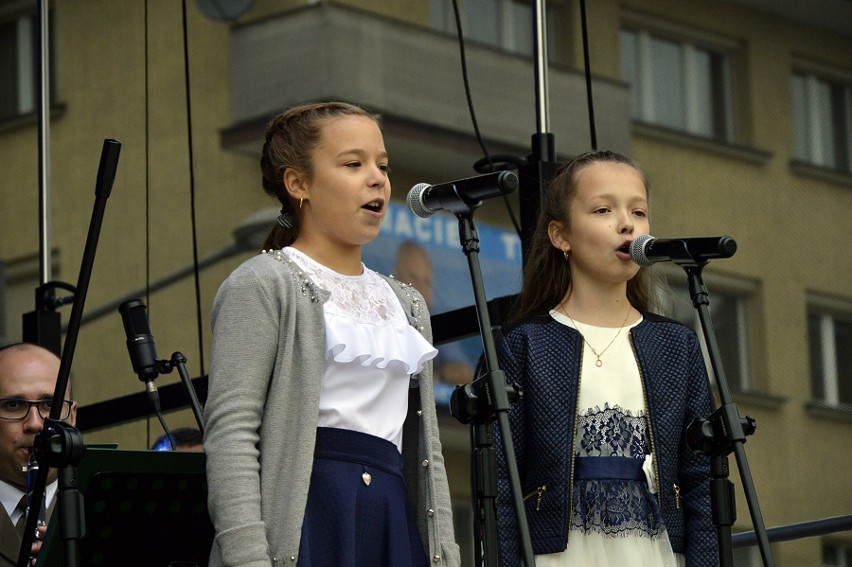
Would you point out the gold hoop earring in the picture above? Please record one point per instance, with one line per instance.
(565, 254)
(302, 200)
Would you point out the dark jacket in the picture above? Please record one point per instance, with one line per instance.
(544, 358)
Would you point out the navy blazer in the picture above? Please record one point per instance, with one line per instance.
(544, 358)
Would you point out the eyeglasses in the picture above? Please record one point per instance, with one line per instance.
(16, 409)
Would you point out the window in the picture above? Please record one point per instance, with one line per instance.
(17, 65)
(830, 343)
(505, 24)
(822, 115)
(836, 555)
(729, 315)
(678, 85)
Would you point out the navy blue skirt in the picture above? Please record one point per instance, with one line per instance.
(356, 515)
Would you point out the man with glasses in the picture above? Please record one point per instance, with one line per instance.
(28, 376)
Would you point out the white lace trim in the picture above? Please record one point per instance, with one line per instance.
(366, 298)
(364, 320)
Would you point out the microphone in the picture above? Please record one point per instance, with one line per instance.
(140, 343)
(424, 200)
(646, 250)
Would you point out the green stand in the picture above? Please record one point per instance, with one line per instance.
(142, 509)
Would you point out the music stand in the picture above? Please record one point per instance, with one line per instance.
(142, 509)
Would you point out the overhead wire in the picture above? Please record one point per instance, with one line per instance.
(147, 162)
(147, 116)
(192, 208)
(477, 133)
(192, 191)
(588, 73)
(487, 163)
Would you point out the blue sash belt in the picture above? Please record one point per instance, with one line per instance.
(608, 468)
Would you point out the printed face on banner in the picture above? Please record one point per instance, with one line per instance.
(427, 253)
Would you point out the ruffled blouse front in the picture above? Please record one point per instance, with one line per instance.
(371, 352)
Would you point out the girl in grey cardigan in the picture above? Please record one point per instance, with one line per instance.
(320, 427)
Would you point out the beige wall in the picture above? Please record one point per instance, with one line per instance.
(788, 228)
(100, 77)
(792, 229)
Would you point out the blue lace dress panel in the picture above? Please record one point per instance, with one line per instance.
(614, 507)
(613, 522)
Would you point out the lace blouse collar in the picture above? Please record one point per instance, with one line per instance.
(365, 321)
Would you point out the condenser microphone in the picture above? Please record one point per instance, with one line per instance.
(424, 200)
(140, 342)
(646, 250)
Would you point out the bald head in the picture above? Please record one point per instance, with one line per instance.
(28, 351)
(27, 372)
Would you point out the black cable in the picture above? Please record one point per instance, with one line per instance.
(473, 113)
(467, 84)
(198, 316)
(154, 402)
(147, 190)
(588, 72)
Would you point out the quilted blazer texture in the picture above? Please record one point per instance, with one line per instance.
(544, 358)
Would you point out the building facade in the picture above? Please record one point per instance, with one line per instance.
(740, 113)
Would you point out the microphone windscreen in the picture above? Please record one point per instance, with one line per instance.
(415, 201)
(637, 250)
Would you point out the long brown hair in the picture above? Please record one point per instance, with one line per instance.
(547, 275)
(291, 138)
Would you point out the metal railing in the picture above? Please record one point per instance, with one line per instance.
(796, 531)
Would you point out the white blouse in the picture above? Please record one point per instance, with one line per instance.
(371, 352)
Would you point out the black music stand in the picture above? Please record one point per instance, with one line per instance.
(142, 509)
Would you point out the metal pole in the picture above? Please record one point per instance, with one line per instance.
(540, 58)
(43, 90)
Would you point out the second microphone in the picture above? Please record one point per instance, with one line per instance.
(424, 200)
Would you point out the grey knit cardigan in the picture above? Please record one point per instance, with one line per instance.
(261, 416)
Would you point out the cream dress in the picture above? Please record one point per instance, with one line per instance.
(614, 523)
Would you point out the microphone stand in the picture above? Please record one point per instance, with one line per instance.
(58, 444)
(178, 361)
(722, 433)
(482, 407)
(541, 165)
(489, 396)
(143, 357)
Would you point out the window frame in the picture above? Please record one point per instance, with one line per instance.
(724, 106)
(25, 60)
(744, 293)
(510, 31)
(810, 146)
(828, 310)
(843, 552)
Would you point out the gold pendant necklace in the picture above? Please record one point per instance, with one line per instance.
(598, 355)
